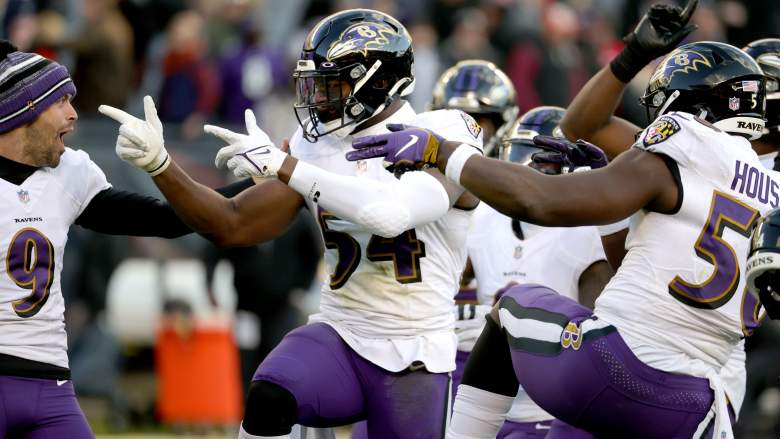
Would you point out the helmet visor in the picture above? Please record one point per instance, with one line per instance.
(519, 152)
(323, 94)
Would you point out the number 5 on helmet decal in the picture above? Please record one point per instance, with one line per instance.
(715, 291)
(29, 262)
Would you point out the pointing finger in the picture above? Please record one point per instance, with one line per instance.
(251, 122)
(367, 141)
(367, 153)
(116, 114)
(150, 113)
(224, 134)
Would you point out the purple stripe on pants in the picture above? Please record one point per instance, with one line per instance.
(601, 386)
(33, 408)
(334, 386)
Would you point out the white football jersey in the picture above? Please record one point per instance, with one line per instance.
(679, 298)
(390, 299)
(34, 230)
(768, 160)
(503, 251)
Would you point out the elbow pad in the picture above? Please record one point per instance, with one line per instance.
(385, 219)
(386, 208)
(416, 199)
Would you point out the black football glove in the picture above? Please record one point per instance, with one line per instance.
(659, 31)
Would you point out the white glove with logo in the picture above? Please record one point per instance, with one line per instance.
(247, 155)
(140, 142)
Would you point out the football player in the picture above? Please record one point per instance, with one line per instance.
(678, 300)
(590, 117)
(763, 277)
(766, 52)
(483, 91)
(383, 345)
(505, 251)
(46, 187)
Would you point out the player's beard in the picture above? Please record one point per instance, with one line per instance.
(40, 146)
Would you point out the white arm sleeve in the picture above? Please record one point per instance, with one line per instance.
(386, 208)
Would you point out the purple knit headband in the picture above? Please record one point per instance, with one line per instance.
(29, 84)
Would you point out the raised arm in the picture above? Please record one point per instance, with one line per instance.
(385, 207)
(590, 115)
(580, 198)
(260, 213)
(583, 198)
(117, 212)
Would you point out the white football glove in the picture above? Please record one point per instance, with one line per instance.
(140, 142)
(248, 155)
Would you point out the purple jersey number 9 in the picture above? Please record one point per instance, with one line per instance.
(29, 262)
(404, 250)
(719, 288)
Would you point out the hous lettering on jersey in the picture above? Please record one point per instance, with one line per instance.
(754, 183)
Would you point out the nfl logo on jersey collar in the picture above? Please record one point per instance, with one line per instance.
(24, 196)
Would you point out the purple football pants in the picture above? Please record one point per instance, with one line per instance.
(360, 430)
(33, 408)
(591, 380)
(524, 430)
(333, 386)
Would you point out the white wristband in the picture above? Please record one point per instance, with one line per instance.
(457, 160)
(157, 167)
(608, 229)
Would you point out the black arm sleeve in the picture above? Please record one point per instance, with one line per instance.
(118, 212)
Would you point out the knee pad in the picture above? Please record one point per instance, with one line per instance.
(478, 413)
(270, 410)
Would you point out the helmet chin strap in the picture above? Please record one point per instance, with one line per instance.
(673, 97)
(349, 126)
(393, 91)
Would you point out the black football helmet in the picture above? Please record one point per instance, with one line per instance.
(715, 81)
(766, 52)
(353, 64)
(763, 264)
(517, 143)
(478, 88)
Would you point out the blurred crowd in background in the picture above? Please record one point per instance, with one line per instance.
(205, 61)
